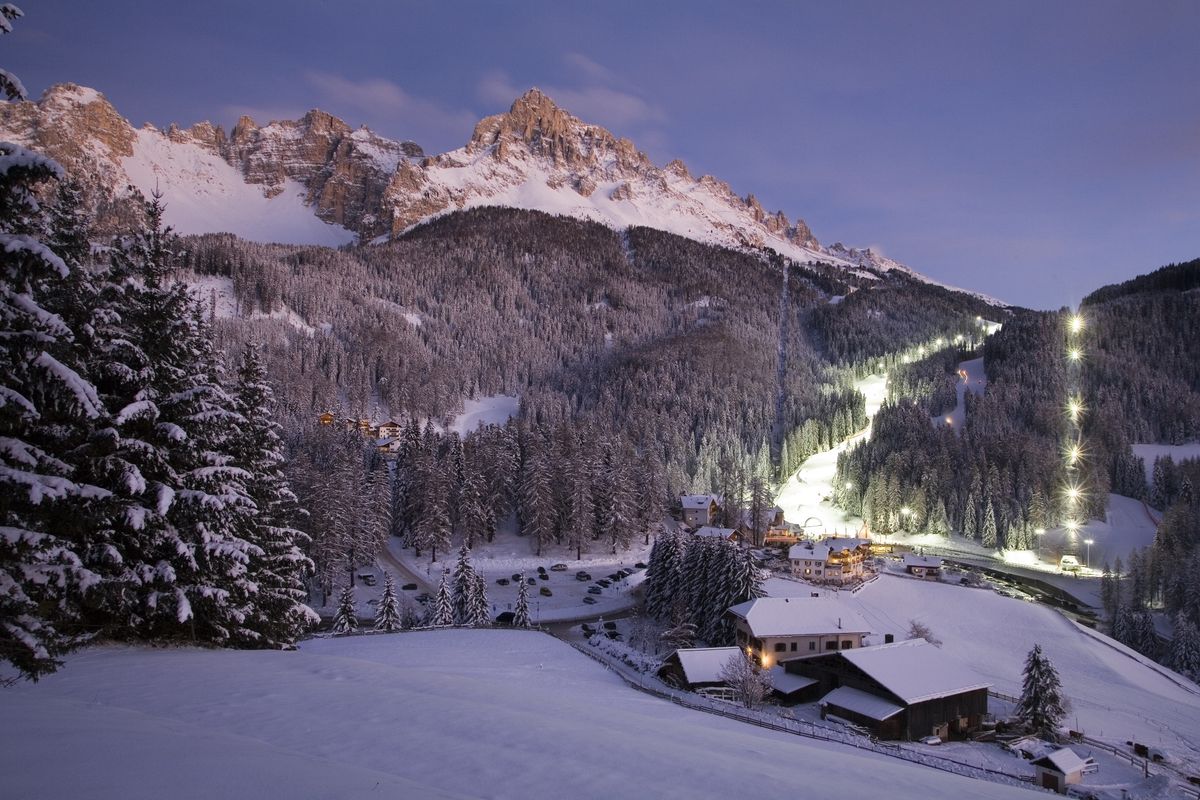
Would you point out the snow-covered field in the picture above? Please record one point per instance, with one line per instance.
(804, 497)
(1115, 694)
(491, 410)
(439, 714)
(1177, 452)
(204, 193)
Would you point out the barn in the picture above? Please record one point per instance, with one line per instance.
(904, 690)
(695, 668)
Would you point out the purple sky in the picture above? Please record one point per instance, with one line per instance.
(1030, 150)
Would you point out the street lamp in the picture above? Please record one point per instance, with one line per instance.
(1074, 408)
(1075, 354)
(1088, 542)
(1076, 323)
(1039, 533)
(906, 512)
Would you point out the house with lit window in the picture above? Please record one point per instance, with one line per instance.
(832, 560)
(699, 509)
(775, 629)
(710, 532)
(922, 566)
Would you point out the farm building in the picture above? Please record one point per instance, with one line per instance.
(904, 690)
(775, 629)
(696, 667)
(1059, 769)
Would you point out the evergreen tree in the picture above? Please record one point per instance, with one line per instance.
(387, 613)
(279, 615)
(1042, 705)
(537, 498)
(345, 619)
(465, 587)
(1185, 648)
(938, 524)
(988, 533)
(969, 512)
(478, 612)
(46, 408)
(521, 614)
(441, 610)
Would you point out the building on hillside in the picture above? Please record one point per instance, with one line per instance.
(387, 444)
(775, 629)
(326, 418)
(700, 509)
(831, 560)
(728, 534)
(390, 429)
(790, 689)
(770, 520)
(922, 566)
(903, 690)
(784, 534)
(695, 668)
(1060, 769)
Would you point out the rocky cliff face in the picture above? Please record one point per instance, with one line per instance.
(535, 155)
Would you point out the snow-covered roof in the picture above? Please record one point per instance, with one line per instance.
(704, 664)
(785, 682)
(808, 552)
(915, 670)
(835, 543)
(929, 562)
(861, 702)
(1065, 761)
(385, 441)
(720, 533)
(697, 502)
(799, 616)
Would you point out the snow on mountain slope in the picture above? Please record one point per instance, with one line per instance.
(203, 193)
(410, 715)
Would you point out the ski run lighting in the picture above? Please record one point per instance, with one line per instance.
(1074, 408)
(1076, 323)
(1075, 354)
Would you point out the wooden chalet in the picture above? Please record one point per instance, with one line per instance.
(1060, 769)
(699, 509)
(904, 690)
(831, 560)
(326, 418)
(695, 668)
(922, 566)
(775, 629)
(728, 534)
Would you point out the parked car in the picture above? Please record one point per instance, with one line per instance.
(531, 581)
(931, 740)
(605, 583)
(516, 577)
(367, 578)
(559, 568)
(423, 597)
(595, 590)
(541, 570)
(505, 618)
(582, 576)
(502, 581)
(591, 601)
(640, 565)
(409, 587)
(543, 576)
(545, 591)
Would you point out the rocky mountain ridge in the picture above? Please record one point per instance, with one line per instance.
(318, 180)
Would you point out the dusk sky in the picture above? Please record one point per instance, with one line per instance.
(1033, 151)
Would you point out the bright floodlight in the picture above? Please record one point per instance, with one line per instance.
(906, 511)
(1076, 323)
(1089, 541)
(849, 485)
(1039, 531)
(1072, 525)
(949, 420)
(1074, 408)
(1075, 354)
(1073, 494)
(1074, 453)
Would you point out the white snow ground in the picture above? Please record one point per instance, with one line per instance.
(1177, 452)
(440, 714)
(204, 193)
(1115, 694)
(803, 496)
(494, 409)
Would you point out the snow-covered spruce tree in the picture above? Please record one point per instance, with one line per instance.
(345, 619)
(1185, 648)
(46, 408)
(279, 614)
(465, 587)
(478, 611)
(1042, 704)
(521, 613)
(441, 609)
(537, 497)
(471, 519)
(387, 613)
(988, 531)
